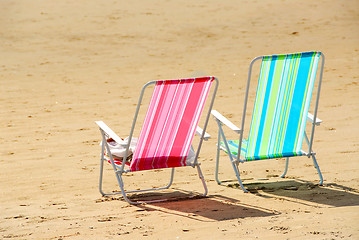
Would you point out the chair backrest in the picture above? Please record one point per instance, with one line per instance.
(281, 106)
(172, 117)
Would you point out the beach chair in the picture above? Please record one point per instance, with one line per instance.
(280, 113)
(167, 133)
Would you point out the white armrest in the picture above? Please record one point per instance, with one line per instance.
(111, 133)
(199, 132)
(225, 121)
(311, 119)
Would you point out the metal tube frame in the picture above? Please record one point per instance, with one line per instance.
(119, 173)
(120, 170)
(245, 104)
(312, 154)
(233, 161)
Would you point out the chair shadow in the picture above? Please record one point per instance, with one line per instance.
(330, 194)
(211, 208)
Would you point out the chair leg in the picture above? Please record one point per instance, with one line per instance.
(102, 159)
(318, 170)
(124, 193)
(171, 179)
(100, 182)
(217, 159)
(101, 175)
(315, 161)
(234, 163)
(202, 179)
(100, 178)
(236, 170)
(286, 168)
(120, 183)
(120, 179)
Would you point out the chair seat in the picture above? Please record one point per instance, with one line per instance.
(234, 144)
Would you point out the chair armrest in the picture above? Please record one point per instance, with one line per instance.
(311, 119)
(199, 132)
(111, 133)
(225, 121)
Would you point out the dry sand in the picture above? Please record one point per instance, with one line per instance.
(65, 64)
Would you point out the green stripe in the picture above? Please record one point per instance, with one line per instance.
(272, 101)
(292, 79)
(285, 99)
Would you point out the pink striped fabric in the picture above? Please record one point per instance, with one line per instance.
(170, 123)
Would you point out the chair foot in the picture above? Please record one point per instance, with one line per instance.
(236, 170)
(202, 179)
(318, 170)
(286, 168)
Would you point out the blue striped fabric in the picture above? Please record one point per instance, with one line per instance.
(281, 107)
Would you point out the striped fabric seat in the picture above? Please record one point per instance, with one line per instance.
(281, 107)
(170, 123)
(233, 147)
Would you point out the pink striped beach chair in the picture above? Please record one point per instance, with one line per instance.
(167, 133)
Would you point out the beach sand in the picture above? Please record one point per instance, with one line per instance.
(65, 64)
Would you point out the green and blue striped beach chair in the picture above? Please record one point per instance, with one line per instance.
(280, 112)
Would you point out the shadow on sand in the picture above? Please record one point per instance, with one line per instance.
(220, 208)
(308, 193)
(211, 208)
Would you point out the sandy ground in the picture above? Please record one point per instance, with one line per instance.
(65, 64)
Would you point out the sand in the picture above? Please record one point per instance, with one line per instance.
(65, 64)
